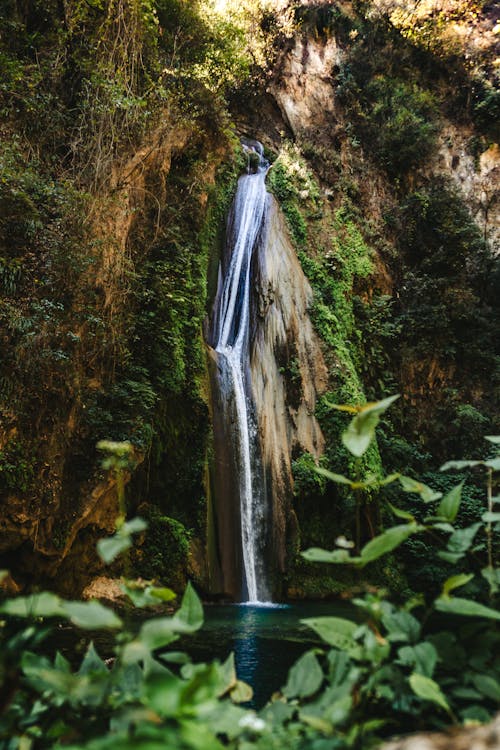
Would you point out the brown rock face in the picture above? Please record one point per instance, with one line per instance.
(287, 374)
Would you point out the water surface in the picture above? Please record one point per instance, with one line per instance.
(266, 640)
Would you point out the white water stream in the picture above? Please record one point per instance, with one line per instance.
(231, 341)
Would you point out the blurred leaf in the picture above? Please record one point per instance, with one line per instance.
(361, 430)
(427, 689)
(35, 605)
(387, 541)
(190, 615)
(458, 606)
(459, 465)
(336, 631)
(337, 478)
(455, 582)
(495, 439)
(449, 505)
(492, 575)
(401, 513)
(401, 626)
(241, 692)
(304, 678)
(427, 494)
(92, 615)
(316, 554)
(108, 549)
(422, 657)
(487, 686)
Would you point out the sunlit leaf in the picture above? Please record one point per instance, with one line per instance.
(190, 615)
(459, 465)
(36, 605)
(241, 692)
(316, 554)
(493, 463)
(455, 582)
(495, 439)
(427, 689)
(92, 615)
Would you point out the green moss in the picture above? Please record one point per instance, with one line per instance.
(16, 467)
(163, 553)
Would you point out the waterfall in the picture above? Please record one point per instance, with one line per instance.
(230, 338)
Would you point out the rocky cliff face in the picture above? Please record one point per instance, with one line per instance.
(288, 375)
(400, 294)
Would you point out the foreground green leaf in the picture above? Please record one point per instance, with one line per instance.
(361, 430)
(387, 541)
(458, 606)
(427, 689)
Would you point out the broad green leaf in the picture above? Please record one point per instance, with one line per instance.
(134, 525)
(61, 663)
(35, 605)
(449, 505)
(387, 541)
(427, 689)
(495, 439)
(155, 633)
(91, 615)
(459, 465)
(190, 615)
(339, 666)
(227, 675)
(401, 513)
(108, 549)
(492, 575)
(422, 657)
(336, 631)
(458, 606)
(475, 715)
(493, 463)
(459, 542)
(361, 430)
(316, 554)
(487, 686)
(490, 517)
(446, 527)
(147, 596)
(92, 662)
(455, 582)
(401, 626)
(304, 678)
(427, 494)
(450, 557)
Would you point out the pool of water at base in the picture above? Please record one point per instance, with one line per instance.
(266, 640)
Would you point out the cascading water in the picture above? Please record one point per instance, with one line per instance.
(230, 331)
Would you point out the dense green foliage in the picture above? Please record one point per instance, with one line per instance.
(430, 661)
